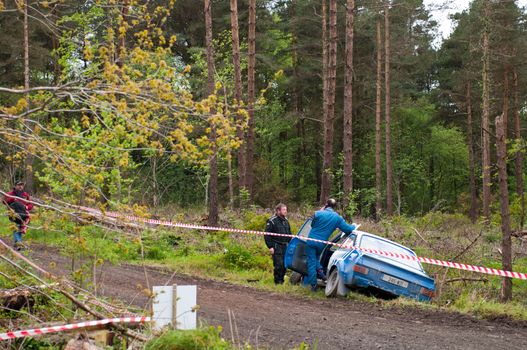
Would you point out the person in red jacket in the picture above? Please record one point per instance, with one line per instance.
(19, 207)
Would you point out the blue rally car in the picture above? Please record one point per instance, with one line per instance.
(355, 269)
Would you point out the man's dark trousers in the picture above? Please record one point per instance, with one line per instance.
(278, 262)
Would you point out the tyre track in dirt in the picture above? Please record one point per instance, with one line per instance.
(280, 321)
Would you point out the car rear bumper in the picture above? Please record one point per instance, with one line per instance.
(412, 291)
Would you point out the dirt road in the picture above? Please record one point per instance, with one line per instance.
(279, 321)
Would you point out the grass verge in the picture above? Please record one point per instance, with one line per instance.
(242, 259)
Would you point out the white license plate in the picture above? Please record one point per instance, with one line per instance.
(395, 281)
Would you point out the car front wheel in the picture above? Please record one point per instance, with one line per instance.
(332, 284)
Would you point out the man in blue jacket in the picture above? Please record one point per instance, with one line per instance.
(324, 223)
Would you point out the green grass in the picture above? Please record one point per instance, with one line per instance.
(207, 338)
(204, 338)
(471, 303)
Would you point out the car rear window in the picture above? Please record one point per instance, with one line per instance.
(380, 244)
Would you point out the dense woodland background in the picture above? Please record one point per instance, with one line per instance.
(232, 103)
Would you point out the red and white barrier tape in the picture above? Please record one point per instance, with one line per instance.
(73, 326)
(473, 268)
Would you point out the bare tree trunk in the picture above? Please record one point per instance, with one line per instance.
(213, 180)
(297, 103)
(56, 64)
(387, 102)
(238, 90)
(155, 187)
(331, 87)
(26, 44)
(229, 175)
(505, 102)
(518, 162)
(348, 105)
(250, 96)
(121, 50)
(24, 7)
(506, 246)
(55, 46)
(473, 211)
(229, 164)
(323, 193)
(378, 137)
(485, 121)
(121, 43)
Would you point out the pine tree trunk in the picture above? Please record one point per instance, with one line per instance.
(330, 114)
(506, 244)
(238, 90)
(250, 95)
(485, 124)
(297, 103)
(213, 179)
(26, 44)
(323, 193)
(30, 180)
(121, 50)
(378, 137)
(505, 102)
(518, 161)
(348, 105)
(55, 43)
(229, 175)
(473, 211)
(155, 187)
(387, 103)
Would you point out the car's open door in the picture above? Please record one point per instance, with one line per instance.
(295, 256)
(339, 239)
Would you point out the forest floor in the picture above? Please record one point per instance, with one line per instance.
(280, 321)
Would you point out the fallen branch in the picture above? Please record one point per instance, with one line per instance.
(467, 247)
(426, 242)
(519, 234)
(466, 279)
(62, 290)
(17, 298)
(22, 291)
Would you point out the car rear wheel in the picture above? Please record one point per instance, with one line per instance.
(295, 278)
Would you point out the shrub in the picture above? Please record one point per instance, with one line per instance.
(255, 221)
(155, 253)
(238, 257)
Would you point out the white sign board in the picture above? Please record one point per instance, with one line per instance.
(175, 305)
(186, 303)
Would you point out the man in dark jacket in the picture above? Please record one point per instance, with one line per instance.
(278, 224)
(324, 223)
(19, 207)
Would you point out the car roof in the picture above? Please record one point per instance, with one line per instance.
(362, 233)
(411, 252)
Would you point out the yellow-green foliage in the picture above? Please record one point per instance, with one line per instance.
(113, 108)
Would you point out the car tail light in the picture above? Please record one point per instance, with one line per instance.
(427, 292)
(360, 269)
